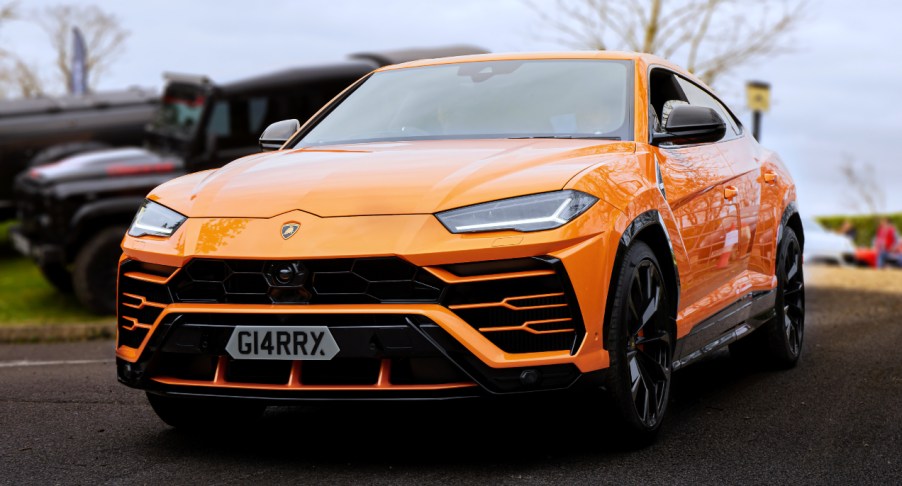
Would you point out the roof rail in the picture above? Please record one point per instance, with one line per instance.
(186, 78)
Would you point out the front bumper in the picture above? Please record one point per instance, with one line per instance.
(41, 253)
(39, 235)
(382, 357)
(471, 322)
(400, 329)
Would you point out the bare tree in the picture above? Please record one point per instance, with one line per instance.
(712, 36)
(8, 11)
(104, 38)
(23, 77)
(861, 178)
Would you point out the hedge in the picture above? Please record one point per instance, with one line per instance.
(865, 225)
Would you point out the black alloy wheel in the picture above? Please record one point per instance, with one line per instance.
(779, 341)
(792, 291)
(640, 343)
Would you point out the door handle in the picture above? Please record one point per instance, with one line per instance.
(729, 192)
(770, 177)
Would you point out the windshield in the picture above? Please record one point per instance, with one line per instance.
(494, 99)
(180, 110)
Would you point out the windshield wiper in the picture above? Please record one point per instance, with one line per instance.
(565, 137)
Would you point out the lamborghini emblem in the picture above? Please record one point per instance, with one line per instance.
(289, 229)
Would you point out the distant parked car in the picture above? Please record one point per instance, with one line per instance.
(867, 257)
(822, 246)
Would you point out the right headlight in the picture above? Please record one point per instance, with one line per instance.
(155, 220)
(535, 212)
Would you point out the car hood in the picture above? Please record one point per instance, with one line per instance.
(384, 178)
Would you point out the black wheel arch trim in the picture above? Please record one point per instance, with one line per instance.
(647, 220)
(790, 212)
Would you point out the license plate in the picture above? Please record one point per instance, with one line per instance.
(314, 343)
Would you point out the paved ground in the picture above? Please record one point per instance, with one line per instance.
(835, 419)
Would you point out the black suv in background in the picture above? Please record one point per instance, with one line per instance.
(36, 131)
(74, 213)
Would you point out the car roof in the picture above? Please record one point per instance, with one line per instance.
(514, 56)
(638, 57)
(291, 78)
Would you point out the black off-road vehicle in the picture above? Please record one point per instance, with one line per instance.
(41, 130)
(74, 213)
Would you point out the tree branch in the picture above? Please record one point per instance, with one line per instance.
(715, 36)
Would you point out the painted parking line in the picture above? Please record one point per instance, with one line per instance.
(25, 362)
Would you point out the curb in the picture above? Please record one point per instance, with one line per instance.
(56, 333)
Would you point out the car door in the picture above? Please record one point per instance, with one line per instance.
(739, 154)
(696, 179)
(699, 187)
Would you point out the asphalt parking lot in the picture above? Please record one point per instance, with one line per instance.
(834, 419)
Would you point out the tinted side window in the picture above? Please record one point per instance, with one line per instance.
(220, 120)
(699, 97)
(301, 103)
(256, 113)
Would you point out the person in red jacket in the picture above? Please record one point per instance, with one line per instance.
(885, 241)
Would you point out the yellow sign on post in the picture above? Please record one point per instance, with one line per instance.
(758, 95)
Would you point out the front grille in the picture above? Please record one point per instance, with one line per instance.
(523, 305)
(335, 281)
(142, 298)
(29, 205)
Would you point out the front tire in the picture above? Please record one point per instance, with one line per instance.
(205, 413)
(95, 271)
(640, 344)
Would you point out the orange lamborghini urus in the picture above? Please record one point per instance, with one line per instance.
(461, 227)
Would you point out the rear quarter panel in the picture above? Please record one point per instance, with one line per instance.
(774, 200)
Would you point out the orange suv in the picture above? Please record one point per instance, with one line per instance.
(470, 226)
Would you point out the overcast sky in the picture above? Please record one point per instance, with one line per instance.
(836, 95)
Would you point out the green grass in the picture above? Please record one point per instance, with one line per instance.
(27, 299)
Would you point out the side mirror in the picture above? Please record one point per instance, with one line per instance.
(691, 124)
(278, 133)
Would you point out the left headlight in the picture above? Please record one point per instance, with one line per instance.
(535, 212)
(155, 220)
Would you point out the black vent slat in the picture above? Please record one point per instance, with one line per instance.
(539, 301)
(496, 266)
(150, 291)
(498, 290)
(133, 338)
(487, 317)
(525, 342)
